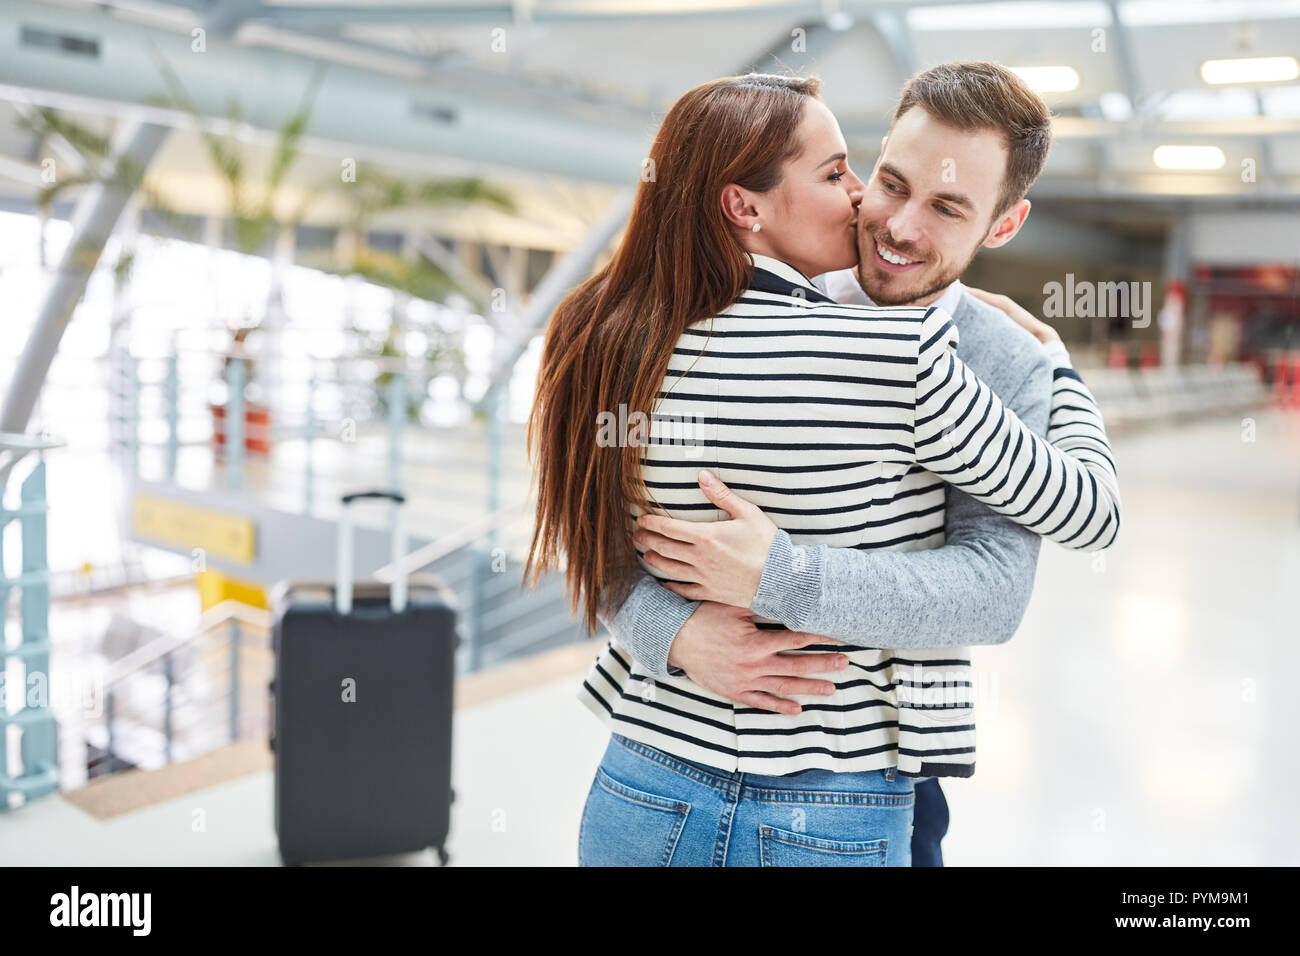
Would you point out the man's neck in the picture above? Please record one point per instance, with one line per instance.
(930, 299)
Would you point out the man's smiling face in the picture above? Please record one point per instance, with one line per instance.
(928, 208)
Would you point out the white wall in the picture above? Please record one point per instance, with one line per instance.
(1246, 238)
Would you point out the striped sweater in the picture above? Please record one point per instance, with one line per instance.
(842, 422)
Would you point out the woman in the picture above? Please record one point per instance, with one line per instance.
(707, 295)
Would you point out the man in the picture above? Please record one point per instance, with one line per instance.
(966, 142)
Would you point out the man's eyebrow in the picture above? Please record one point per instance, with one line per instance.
(834, 159)
(893, 171)
(957, 199)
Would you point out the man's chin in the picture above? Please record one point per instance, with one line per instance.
(882, 291)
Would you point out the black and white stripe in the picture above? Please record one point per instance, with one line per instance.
(842, 422)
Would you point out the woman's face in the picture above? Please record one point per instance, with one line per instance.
(810, 218)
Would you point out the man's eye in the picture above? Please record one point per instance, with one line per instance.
(947, 212)
(891, 187)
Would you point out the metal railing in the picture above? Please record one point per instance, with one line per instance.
(164, 701)
(341, 398)
(32, 721)
(180, 695)
(153, 696)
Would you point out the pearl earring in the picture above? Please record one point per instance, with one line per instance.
(756, 227)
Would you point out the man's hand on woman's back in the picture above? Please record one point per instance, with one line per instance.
(722, 650)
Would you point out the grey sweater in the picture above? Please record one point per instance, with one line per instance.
(973, 590)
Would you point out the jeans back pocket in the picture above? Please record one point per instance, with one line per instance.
(779, 847)
(623, 826)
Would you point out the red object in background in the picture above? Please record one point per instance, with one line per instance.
(1286, 380)
(1240, 290)
(1150, 356)
(1118, 357)
(257, 428)
(1176, 289)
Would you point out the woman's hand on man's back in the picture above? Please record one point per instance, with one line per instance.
(719, 561)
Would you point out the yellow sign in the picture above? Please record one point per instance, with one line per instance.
(221, 535)
(215, 587)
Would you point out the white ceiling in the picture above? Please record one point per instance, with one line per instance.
(577, 90)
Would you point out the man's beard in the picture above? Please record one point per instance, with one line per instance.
(907, 296)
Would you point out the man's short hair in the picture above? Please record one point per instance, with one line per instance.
(978, 95)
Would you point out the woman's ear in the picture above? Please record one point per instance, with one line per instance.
(736, 206)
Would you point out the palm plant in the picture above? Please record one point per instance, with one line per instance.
(374, 193)
(371, 194)
(254, 208)
(96, 151)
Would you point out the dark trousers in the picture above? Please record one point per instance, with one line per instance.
(929, 823)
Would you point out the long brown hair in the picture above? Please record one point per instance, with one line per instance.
(610, 340)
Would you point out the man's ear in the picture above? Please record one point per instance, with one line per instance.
(1007, 225)
(736, 206)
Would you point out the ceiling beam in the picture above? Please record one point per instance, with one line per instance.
(892, 27)
(1126, 66)
(94, 220)
(1086, 129)
(224, 17)
(574, 12)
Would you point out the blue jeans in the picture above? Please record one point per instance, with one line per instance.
(929, 824)
(648, 808)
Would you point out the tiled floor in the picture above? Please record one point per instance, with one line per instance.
(1140, 715)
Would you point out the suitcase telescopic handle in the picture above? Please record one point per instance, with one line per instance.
(343, 584)
(394, 496)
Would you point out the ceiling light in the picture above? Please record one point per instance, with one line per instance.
(1047, 15)
(1116, 107)
(1253, 69)
(1188, 157)
(1048, 79)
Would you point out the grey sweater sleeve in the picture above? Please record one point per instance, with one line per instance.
(973, 590)
(647, 621)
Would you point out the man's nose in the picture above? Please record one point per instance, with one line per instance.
(857, 190)
(905, 224)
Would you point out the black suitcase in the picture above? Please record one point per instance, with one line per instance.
(362, 699)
